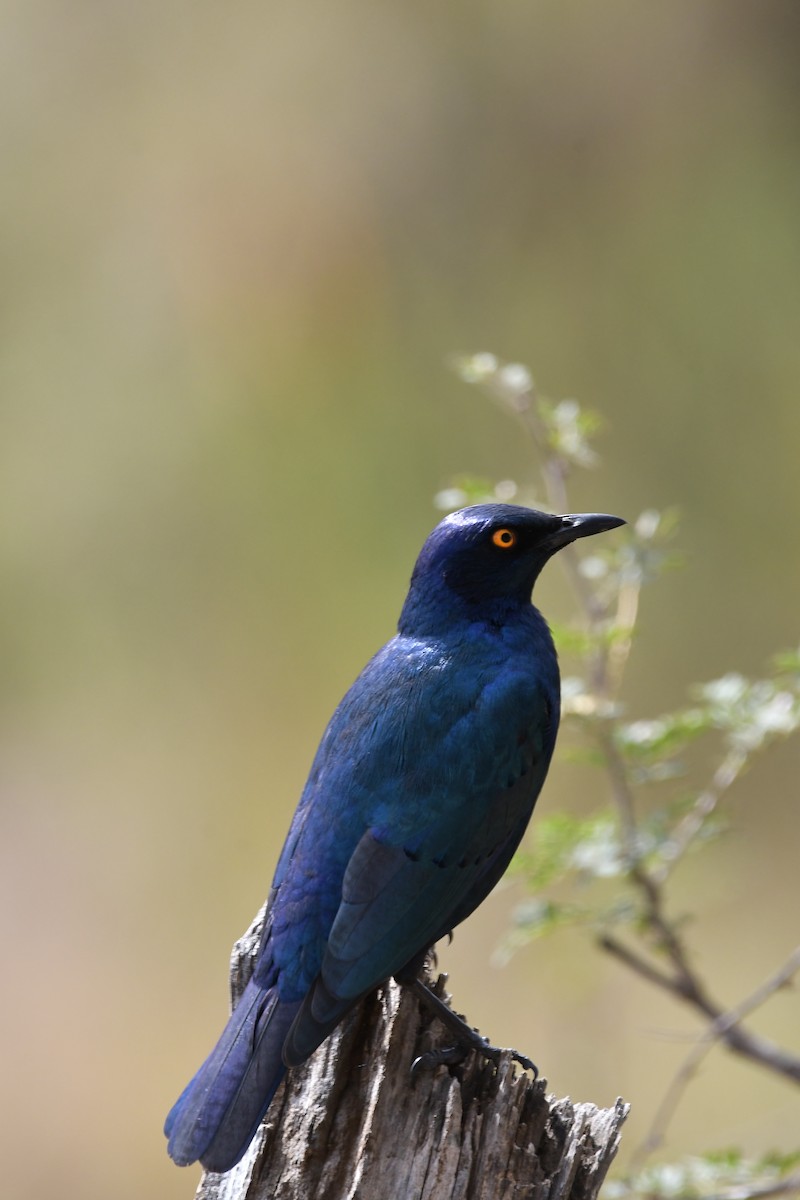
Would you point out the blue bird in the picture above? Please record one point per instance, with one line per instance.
(419, 794)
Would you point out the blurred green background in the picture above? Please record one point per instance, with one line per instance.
(238, 243)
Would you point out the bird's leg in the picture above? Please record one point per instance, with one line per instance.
(468, 1039)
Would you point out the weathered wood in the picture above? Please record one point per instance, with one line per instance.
(351, 1124)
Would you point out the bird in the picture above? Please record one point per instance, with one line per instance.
(418, 796)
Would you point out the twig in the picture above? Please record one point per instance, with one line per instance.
(725, 1023)
(714, 1033)
(723, 778)
(619, 650)
(640, 965)
(622, 793)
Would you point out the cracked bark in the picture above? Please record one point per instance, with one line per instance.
(351, 1124)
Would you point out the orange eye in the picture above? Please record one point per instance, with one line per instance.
(504, 538)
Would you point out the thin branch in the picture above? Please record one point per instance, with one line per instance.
(715, 1032)
(723, 778)
(725, 1027)
(685, 983)
(638, 964)
(622, 793)
(627, 613)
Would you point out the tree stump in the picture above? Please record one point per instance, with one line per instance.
(352, 1124)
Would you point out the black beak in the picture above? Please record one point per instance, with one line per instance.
(578, 525)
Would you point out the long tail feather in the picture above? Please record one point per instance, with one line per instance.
(217, 1114)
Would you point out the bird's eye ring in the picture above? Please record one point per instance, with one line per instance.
(504, 538)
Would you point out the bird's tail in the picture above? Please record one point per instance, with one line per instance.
(219, 1111)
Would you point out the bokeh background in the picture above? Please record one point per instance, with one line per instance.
(238, 243)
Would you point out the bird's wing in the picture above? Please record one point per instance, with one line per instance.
(394, 905)
(420, 792)
(397, 902)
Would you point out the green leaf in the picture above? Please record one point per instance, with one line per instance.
(660, 738)
(534, 919)
(588, 846)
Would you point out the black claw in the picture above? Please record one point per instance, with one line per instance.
(525, 1063)
(469, 1039)
(449, 1056)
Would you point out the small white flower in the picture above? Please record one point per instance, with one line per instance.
(778, 715)
(566, 413)
(516, 377)
(483, 365)
(450, 498)
(643, 733)
(647, 523)
(672, 1179)
(593, 567)
(598, 857)
(505, 490)
(730, 689)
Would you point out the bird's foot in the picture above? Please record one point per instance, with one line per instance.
(449, 1056)
(468, 1039)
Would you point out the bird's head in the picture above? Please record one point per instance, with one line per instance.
(483, 561)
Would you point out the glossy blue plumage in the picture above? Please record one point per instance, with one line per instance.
(417, 798)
